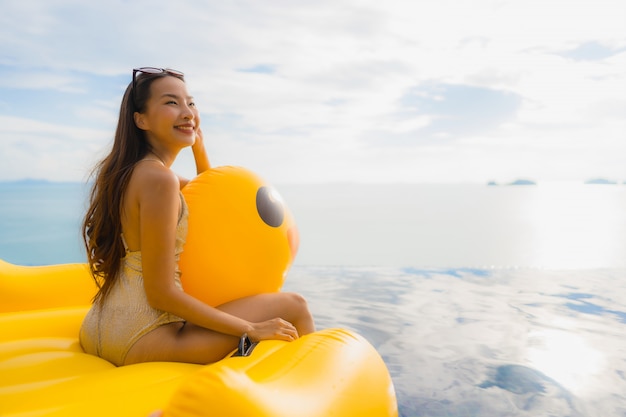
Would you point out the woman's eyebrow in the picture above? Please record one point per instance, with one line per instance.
(172, 95)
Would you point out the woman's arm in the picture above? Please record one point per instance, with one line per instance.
(159, 206)
(199, 155)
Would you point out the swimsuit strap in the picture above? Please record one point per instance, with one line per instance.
(124, 242)
(151, 159)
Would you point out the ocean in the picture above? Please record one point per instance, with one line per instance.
(482, 300)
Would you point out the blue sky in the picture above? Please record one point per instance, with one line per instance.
(332, 90)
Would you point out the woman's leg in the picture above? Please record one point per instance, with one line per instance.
(288, 306)
(186, 342)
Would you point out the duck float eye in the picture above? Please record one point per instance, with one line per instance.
(269, 204)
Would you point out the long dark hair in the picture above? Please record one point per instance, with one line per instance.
(102, 225)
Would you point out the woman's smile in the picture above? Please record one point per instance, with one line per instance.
(186, 128)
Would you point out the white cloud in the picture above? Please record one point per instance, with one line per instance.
(296, 88)
(32, 149)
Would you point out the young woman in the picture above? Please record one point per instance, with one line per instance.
(134, 231)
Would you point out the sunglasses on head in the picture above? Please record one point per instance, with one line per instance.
(152, 70)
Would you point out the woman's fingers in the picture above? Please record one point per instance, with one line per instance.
(275, 329)
(290, 330)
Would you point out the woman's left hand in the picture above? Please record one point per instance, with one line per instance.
(199, 153)
(199, 143)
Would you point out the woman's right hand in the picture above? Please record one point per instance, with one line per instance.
(274, 329)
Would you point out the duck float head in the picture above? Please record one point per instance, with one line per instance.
(241, 239)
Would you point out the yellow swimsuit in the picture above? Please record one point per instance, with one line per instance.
(111, 328)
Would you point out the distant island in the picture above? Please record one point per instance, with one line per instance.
(27, 181)
(592, 181)
(602, 181)
(516, 182)
(523, 182)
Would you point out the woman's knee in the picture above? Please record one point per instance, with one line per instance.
(297, 303)
(300, 314)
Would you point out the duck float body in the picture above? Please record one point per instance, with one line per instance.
(239, 230)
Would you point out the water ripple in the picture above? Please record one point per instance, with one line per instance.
(484, 342)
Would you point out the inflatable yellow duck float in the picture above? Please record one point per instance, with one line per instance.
(239, 230)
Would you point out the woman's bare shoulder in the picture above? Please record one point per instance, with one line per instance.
(151, 177)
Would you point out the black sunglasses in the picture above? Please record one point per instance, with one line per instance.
(152, 70)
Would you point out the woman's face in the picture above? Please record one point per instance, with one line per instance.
(171, 118)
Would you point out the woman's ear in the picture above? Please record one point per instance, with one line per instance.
(140, 121)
